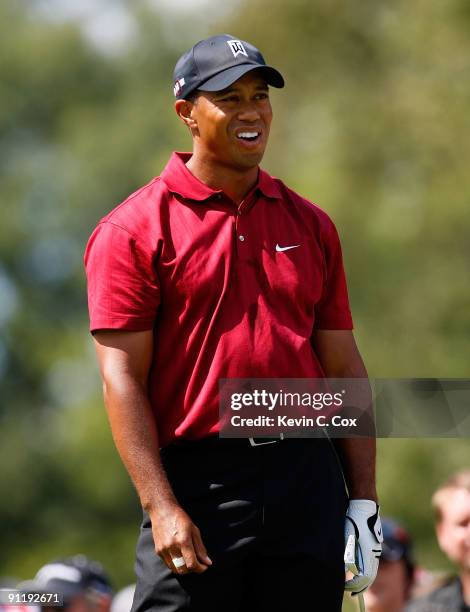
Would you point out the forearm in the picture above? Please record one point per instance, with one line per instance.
(340, 359)
(136, 438)
(357, 457)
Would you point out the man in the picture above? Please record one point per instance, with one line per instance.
(82, 585)
(392, 587)
(451, 504)
(216, 270)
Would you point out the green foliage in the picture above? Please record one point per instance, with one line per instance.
(371, 126)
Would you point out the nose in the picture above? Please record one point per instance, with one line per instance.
(248, 112)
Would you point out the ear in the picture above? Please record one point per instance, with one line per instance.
(184, 110)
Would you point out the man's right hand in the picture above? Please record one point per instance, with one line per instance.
(125, 359)
(176, 536)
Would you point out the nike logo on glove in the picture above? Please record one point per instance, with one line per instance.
(281, 249)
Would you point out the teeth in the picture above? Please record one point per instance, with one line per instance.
(248, 135)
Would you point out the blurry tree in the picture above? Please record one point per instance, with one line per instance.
(78, 132)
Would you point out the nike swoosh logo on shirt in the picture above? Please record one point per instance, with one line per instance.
(280, 249)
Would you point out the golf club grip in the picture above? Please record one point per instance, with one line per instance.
(362, 605)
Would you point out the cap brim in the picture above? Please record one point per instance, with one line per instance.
(224, 79)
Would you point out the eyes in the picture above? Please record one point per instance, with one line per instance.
(234, 98)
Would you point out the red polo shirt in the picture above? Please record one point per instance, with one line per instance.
(229, 291)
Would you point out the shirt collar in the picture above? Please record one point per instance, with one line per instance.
(179, 180)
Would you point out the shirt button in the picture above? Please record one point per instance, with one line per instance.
(241, 238)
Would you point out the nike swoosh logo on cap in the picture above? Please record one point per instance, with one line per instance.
(280, 249)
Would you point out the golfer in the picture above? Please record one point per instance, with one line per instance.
(217, 270)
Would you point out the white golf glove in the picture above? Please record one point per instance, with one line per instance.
(363, 539)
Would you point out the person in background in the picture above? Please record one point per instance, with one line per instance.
(82, 583)
(392, 587)
(451, 504)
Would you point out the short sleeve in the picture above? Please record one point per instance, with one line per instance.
(332, 310)
(123, 287)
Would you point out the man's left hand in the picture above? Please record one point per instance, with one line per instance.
(363, 522)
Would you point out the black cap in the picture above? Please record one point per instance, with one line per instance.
(70, 577)
(217, 62)
(397, 542)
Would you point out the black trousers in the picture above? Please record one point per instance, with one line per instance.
(272, 520)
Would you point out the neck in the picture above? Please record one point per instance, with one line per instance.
(235, 183)
(465, 579)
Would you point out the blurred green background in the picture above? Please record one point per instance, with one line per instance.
(372, 125)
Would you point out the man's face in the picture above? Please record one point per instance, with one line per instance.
(453, 531)
(389, 591)
(233, 124)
